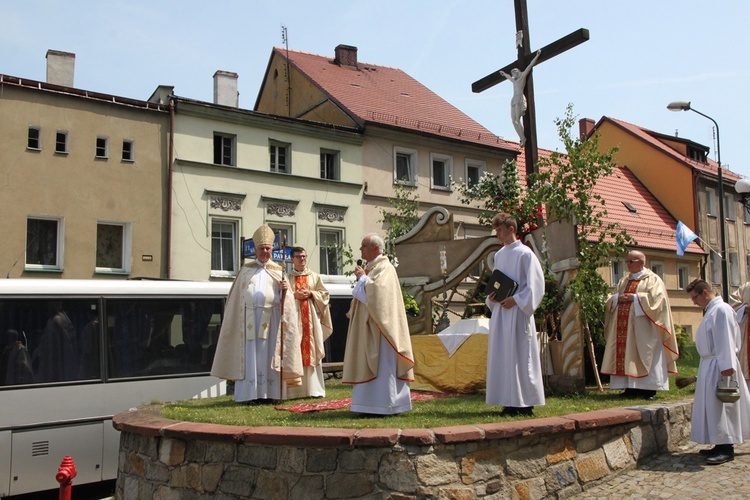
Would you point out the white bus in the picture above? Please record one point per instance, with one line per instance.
(75, 352)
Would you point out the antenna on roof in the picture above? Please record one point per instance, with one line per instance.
(285, 41)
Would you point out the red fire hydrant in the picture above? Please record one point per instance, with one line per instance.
(64, 476)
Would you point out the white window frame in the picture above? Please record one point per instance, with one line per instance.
(734, 269)
(616, 271)
(65, 149)
(274, 157)
(729, 206)
(336, 167)
(683, 276)
(657, 266)
(37, 140)
(286, 230)
(59, 247)
(324, 250)
(97, 148)
(447, 162)
(711, 207)
(125, 251)
(413, 159)
(131, 156)
(234, 245)
(481, 167)
(715, 268)
(232, 141)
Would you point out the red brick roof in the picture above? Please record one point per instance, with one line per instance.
(651, 138)
(387, 96)
(651, 226)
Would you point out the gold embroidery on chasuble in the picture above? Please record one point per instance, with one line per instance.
(300, 283)
(259, 331)
(623, 314)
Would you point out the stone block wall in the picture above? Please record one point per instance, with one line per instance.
(537, 458)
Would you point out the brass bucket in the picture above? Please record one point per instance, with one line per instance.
(731, 392)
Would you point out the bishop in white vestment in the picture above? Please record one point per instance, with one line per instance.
(256, 346)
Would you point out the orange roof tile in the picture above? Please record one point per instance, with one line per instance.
(652, 226)
(388, 96)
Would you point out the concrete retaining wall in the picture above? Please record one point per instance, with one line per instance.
(537, 458)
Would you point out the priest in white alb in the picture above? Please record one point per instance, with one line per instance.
(258, 344)
(378, 359)
(740, 301)
(311, 299)
(641, 345)
(514, 369)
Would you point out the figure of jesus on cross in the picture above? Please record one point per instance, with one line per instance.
(518, 102)
(522, 103)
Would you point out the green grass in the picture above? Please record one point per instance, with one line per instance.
(459, 410)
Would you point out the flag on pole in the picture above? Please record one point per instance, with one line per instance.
(684, 237)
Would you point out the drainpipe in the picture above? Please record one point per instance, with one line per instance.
(696, 218)
(168, 258)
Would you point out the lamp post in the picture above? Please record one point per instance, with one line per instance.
(685, 106)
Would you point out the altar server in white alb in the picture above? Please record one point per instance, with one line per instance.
(717, 340)
(250, 349)
(514, 370)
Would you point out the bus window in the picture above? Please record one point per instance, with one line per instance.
(148, 337)
(47, 341)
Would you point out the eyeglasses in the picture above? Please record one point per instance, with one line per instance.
(300, 257)
(632, 261)
(694, 297)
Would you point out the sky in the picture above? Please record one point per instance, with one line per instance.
(641, 55)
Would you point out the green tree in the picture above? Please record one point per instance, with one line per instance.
(499, 193)
(403, 218)
(565, 186)
(400, 221)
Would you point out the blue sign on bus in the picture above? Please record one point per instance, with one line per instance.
(248, 250)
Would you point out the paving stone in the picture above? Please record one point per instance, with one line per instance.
(679, 474)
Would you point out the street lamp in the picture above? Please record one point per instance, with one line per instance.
(685, 106)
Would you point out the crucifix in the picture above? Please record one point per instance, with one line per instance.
(523, 84)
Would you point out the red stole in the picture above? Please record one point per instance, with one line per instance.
(623, 314)
(300, 283)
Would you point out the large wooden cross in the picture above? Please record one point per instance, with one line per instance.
(525, 56)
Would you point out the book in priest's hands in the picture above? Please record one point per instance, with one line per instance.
(501, 285)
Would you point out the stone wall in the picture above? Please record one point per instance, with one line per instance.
(553, 457)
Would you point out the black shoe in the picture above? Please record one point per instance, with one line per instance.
(721, 458)
(710, 452)
(526, 411)
(510, 411)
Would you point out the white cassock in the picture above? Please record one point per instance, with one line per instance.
(717, 341)
(261, 382)
(386, 394)
(514, 371)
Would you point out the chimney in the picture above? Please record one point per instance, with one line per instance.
(346, 55)
(60, 67)
(585, 127)
(225, 89)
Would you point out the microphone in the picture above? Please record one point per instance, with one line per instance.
(359, 262)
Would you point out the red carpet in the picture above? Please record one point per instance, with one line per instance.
(340, 404)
